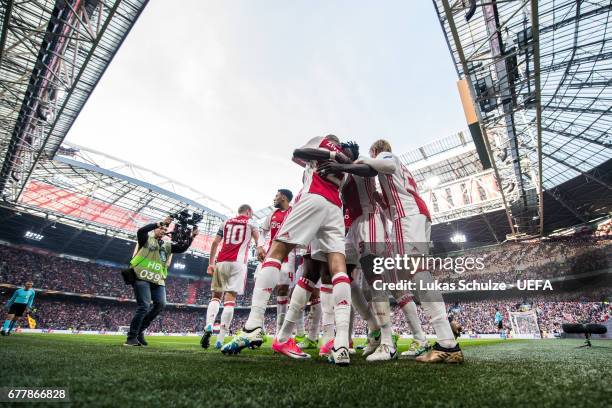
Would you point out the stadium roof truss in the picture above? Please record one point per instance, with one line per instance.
(540, 76)
(52, 55)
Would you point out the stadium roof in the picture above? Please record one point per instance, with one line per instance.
(539, 73)
(52, 55)
(107, 195)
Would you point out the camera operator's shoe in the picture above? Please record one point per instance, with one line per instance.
(141, 339)
(246, 338)
(205, 340)
(132, 342)
(439, 354)
(416, 349)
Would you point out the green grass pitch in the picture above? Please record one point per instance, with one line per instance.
(175, 371)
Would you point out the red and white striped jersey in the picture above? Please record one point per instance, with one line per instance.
(327, 187)
(273, 222)
(358, 195)
(236, 233)
(400, 192)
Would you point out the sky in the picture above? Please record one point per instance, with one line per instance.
(217, 94)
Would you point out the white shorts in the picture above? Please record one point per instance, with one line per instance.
(313, 217)
(368, 236)
(287, 272)
(229, 277)
(411, 235)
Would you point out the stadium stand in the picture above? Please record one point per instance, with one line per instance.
(99, 299)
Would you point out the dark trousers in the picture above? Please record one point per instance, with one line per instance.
(151, 299)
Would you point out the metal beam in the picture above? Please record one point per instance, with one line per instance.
(451, 24)
(538, 102)
(576, 169)
(574, 136)
(5, 24)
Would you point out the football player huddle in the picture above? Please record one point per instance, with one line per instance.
(352, 209)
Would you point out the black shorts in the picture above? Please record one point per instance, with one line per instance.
(17, 309)
(500, 324)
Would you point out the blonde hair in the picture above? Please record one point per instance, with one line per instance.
(381, 145)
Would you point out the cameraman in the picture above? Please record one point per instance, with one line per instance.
(150, 267)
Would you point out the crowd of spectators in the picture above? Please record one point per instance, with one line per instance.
(560, 257)
(506, 262)
(475, 317)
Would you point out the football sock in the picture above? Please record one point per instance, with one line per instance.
(434, 308)
(281, 311)
(360, 304)
(315, 320)
(6, 325)
(406, 303)
(226, 319)
(299, 325)
(382, 310)
(299, 298)
(327, 306)
(342, 308)
(12, 325)
(212, 310)
(264, 285)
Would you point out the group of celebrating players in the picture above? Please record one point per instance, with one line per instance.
(339, 223)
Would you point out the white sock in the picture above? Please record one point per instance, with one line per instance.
(382, 310)
(211, 311)
(264, 285)
(406, 303)
(360, 304)
(299, 298)
(434, 308)
(281, 311)
(327, 306)
(299, 325)
(315, 320)
(226, 319)
(342, 308)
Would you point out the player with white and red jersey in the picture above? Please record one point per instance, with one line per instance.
(229, 270)
(269, 229)
(316, 214)
(411, 235)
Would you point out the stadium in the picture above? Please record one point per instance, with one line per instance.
(526, 187)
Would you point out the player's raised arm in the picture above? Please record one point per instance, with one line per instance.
(358, 169)
(314, 150)
(383, 163)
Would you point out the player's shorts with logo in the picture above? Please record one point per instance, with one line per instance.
(17, 309)
(411, 235)
(229, 277)
(314, 217)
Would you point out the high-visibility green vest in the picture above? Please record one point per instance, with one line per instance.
(151, 261)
